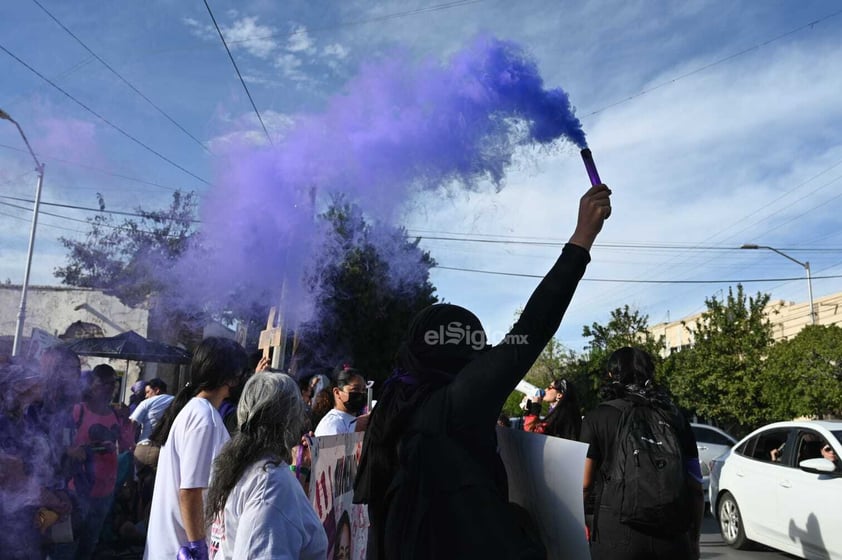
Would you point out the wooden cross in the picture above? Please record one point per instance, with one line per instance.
(273, 339)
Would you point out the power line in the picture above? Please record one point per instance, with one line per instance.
(103, 119)
(86, 222)
(396, 15)
(458, 269)
(340, 25)
(625, 246)
(633, 281)
(715, 63)
(124, 80)
(239, 75)
(49, 158)
(85, 208)
(39, 213)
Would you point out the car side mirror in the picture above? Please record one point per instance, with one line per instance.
(819, 466)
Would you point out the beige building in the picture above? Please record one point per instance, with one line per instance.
(787, 319)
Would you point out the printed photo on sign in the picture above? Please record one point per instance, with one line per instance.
(334, 467)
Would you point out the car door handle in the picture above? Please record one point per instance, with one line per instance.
(786, 484)
(702, 447)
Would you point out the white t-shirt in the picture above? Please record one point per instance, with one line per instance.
(149, 412)
(186, 459)
(267, 516)
(335, 422)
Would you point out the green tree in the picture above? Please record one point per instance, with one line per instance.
(129, 258)
(555, 362)
(125, 258)
(368, 282)
(626, 327)
(804, 374)
(722, 375)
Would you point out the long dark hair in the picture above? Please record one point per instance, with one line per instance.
(216, 361)
(565, 419)
(270, 416)
(631, 373)
(324, 401)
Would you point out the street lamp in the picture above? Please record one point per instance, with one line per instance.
(39, 167)
(806, 266)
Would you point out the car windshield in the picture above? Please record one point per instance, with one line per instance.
(838, 435)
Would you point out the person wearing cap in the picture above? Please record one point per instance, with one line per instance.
(429, 471)
(256, 506)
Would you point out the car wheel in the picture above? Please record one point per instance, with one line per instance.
(731, 522)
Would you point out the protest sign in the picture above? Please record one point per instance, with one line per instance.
(39, 341)
(334, 466)
(545, 477)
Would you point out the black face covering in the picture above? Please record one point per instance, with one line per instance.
(356, 402)
(442, 339)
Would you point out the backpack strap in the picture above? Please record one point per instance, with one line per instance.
(622, 405)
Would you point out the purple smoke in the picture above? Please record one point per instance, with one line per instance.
(400, 127)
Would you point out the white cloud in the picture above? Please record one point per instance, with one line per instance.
(255, 38)
(335, 50)
(299, 40)
(245, 130)
(245, 33)
(199, 29)
(290, 66)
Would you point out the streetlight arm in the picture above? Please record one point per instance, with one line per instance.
(5, 115)
(781, 253)
(805, 265)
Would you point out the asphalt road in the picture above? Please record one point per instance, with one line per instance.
(712, 547)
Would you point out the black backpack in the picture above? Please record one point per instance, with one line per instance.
(646, 481)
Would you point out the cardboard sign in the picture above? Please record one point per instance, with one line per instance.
(545, 477)
(39, 341)
(334, 466)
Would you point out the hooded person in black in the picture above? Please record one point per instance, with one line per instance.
(429, 472)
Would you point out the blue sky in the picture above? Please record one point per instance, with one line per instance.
(715, 124)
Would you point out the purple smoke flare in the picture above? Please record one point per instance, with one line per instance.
(590, 167)
(400, 127)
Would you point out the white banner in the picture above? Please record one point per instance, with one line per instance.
(545, 477)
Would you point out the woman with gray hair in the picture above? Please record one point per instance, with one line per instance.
(255, 503)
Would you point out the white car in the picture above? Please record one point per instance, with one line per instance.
(711, 443)
(776, 487)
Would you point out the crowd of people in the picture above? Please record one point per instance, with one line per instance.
(221, 469)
